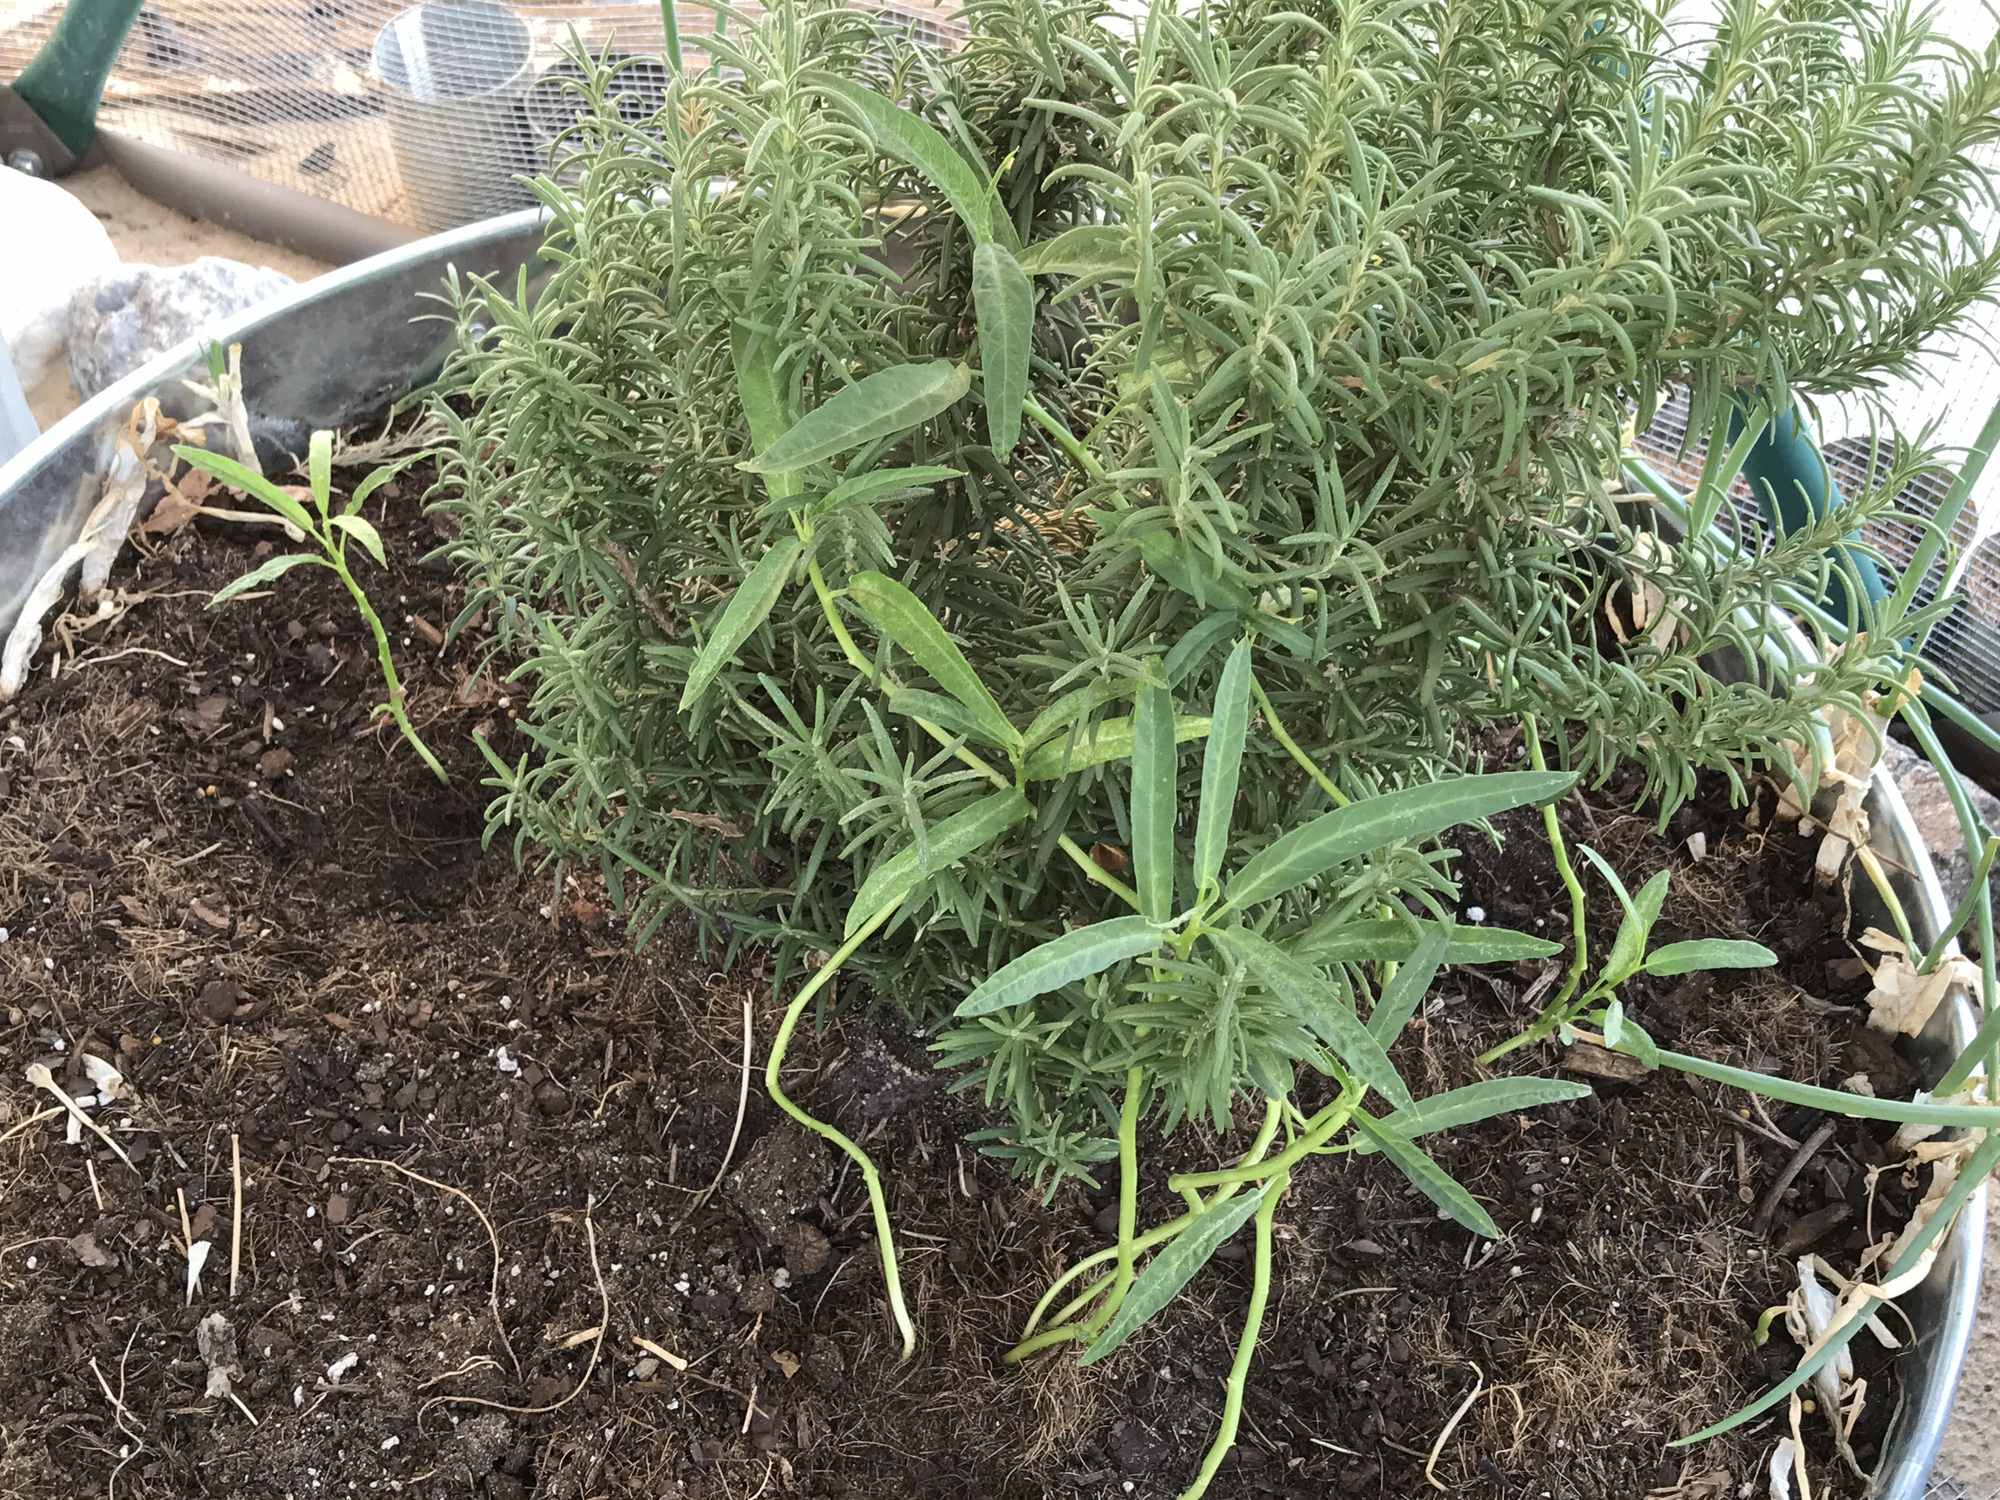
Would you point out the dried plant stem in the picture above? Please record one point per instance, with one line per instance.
(596, 1344)
(236, 1213)
(742, 1108)
(493, 1290)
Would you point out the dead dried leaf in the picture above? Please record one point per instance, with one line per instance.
(786, 1361)
(86, 1249)
(1903, 1001)
(216, 1342)
(180, 504)
(208, 917)
(1594, 1061)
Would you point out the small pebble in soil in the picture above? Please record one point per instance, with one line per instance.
(1475, 914)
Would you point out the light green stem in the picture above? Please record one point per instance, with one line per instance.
(1246, 1346)
(1267, 1133)
(870, 1178)
(671, 24)
(1065, 439)
(1278, 732)
(1985, 1046)
(387, 661)
(1557, 1010)
(1319, 1130)
(1128, 1198)
(1968, 904)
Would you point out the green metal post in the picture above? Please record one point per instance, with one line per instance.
(65, 80)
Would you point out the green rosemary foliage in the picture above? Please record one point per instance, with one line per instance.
(1330, 320)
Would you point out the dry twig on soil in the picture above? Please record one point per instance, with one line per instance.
(493, 1292)
(596, 1346)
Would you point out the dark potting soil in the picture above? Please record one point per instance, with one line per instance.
(217, 874)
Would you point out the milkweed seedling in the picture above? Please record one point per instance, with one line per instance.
(330, 530)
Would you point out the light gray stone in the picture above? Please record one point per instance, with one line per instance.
(119, 321)
(1931, 811)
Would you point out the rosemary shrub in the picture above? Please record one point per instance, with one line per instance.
(1037, 529)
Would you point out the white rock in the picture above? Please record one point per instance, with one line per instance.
(54, 245)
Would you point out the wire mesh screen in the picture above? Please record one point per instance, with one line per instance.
(1945, 403)
(418, 114)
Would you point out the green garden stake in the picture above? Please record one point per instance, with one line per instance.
(1790, 478)
(65, 81)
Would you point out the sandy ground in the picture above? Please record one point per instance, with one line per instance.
(148, 232)
(145, 231)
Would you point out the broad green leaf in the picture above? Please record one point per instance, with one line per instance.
(878, 482)
(1971, 1177)
(1201, 639)
(1835, 1101)
(364, 532)
(765, 408)
(748, 608)
(1153, 801)
(319, 468)
(1087, 250)
(944, 845)
(1003, 300)
(1708, 953)
(1430, 1179)
(946, 713)
(1179, 565)
(1320, 1004)
(901, 616)
(1385, 939)
(263, 573)
(1074, 704)
(1611, 877)
(1473, 1103)
(378, 477)
(876, 406)
(901, 135)
(1174, 1267)
(1075, 955)
(1362, 827)
(1221, 762)
(1107, 739)
(1628, 948)
(1402, 995)
(1637, 1042)
(245, 480)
